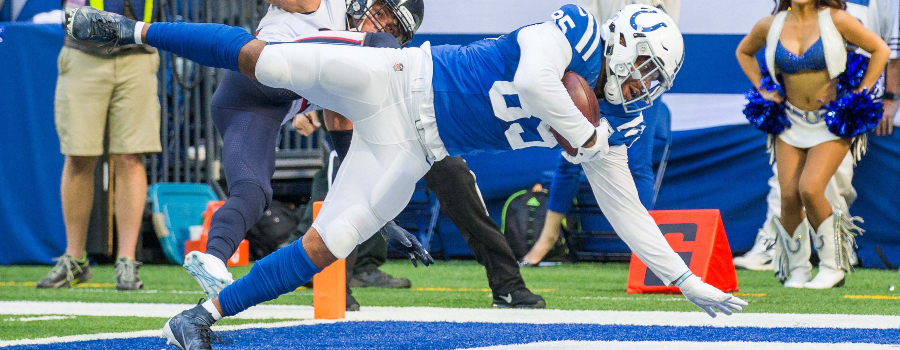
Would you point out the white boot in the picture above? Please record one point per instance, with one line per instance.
(763, 252)
(792, 255)
(834, 240)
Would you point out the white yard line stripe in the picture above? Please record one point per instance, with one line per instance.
(679, 345)
(39, 318)
(432, 314)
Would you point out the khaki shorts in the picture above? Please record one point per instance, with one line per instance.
(120, 90)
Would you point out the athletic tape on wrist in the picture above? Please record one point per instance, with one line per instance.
(683, 277)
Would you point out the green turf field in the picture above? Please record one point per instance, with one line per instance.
(22, 327)
(446, 284)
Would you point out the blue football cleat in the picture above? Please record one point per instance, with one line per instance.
(190, 330)
(90, 24)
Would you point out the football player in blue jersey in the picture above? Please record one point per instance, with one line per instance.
(406, 110)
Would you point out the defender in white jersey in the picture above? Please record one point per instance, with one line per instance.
(397, 101)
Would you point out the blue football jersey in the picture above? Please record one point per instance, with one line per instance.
(477, 107)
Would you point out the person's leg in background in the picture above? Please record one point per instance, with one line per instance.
(371, 255)
(563, 189)
(134, 123)
(455, 188)
(832, 229)
(317, 194)
(83, 91)
(839, 192)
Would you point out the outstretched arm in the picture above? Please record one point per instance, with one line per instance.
(617, 196)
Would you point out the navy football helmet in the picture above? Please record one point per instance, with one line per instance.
(409, 14)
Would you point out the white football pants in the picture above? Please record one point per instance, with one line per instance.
(373, 88)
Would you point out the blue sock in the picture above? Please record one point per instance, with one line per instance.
(279, 273)
(210, 44)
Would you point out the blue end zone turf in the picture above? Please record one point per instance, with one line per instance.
(449, 335)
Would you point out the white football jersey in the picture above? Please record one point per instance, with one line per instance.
(875, 15)
(280, 25)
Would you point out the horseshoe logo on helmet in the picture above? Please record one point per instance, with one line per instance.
(644, 29)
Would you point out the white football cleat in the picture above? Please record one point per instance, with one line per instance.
(759, 257)
(209, 272)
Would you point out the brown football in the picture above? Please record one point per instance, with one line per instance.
(583, 96)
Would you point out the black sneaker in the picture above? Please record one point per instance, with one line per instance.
(127, 275)
(190, 330)
(378, 279)
(520, 299)
(90, 24)
(66, 273)
(352, 304)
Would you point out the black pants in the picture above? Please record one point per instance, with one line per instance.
(454, 186)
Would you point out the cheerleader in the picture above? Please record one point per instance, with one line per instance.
(814, 115)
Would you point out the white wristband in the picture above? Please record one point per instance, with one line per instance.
(138, 30)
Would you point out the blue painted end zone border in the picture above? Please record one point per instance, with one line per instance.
(449, 335)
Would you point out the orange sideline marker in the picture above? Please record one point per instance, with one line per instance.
(329, 287)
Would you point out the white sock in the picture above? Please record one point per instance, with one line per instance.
(208, 305)
(138, 29)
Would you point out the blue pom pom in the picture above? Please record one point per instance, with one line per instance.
(767, 116)
(853, 113)
(852, 77)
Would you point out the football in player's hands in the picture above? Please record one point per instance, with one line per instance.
(583, 96)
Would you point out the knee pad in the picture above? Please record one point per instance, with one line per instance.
(343, 233)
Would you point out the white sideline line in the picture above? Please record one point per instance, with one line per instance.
(432, 314)
(680, 345)
(39, 318)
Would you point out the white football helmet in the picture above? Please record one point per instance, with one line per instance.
(643, 43)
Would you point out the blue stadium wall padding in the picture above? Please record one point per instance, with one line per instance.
(877, 181)
(31, 224)
(177, 206)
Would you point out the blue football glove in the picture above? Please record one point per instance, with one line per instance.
(406, 243)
